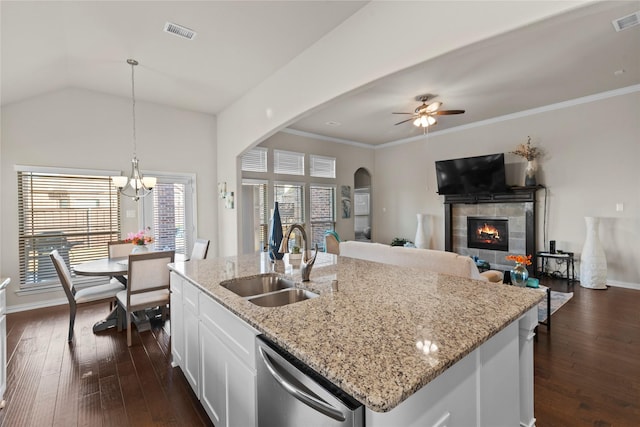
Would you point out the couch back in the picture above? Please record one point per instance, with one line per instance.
(428, 259)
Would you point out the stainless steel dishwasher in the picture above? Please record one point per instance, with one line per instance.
(291, 394)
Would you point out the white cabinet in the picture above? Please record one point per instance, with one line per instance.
(177, 322)
(215, 350)
(3, 339)
(191, 366)
(227, 347)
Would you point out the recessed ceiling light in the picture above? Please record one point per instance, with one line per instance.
(179, 30)
(333, 123)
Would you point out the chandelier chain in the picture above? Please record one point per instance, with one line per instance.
(133, 105)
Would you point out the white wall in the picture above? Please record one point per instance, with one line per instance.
(378, 40)
(348, 159)
(81, 129)
(592, 151)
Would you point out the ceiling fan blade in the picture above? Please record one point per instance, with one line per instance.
(446, 112)
(402, 113)
(405, 121)
(433, 107)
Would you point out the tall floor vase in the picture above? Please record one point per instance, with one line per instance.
(421, 235)
(593, 262)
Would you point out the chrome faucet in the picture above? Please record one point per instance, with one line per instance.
(307, 261)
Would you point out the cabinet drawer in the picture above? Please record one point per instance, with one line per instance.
(190, 297)
(176, 283)
(238, 336)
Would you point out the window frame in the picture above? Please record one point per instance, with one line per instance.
(53, 284)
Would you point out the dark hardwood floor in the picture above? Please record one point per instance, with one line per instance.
(95, 381)
(587, 369)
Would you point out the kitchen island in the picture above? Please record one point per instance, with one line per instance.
(404, 342)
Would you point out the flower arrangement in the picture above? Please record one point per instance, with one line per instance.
(527, 151)
(520, 259)
(140, 238)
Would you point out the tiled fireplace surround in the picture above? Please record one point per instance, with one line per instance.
(518, 206)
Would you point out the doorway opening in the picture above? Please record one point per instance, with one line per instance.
(362, 205)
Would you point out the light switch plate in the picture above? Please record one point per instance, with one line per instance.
(619, 207)
(131, 213)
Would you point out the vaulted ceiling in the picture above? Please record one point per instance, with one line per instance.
(47, 46)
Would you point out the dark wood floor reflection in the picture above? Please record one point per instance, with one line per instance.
(587, 369)
(95, 381)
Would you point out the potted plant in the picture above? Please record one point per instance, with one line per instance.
(526, 151)
(295, 256)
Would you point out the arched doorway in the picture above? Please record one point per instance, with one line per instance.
(362, 205)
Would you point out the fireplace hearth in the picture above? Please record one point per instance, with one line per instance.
(488, 233)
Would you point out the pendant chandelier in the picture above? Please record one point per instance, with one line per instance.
(138, 185)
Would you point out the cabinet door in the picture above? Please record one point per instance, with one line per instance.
(213, 376)
(191, 336)
(177, 322)
(241, 392)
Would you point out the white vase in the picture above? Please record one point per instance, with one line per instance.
(530, 174)
(421, 237)
(139, 249)
(593, 262)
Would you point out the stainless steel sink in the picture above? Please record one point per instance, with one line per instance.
(256, 285)
(283, 297)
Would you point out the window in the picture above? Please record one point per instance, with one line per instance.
(75, 212)
(288, 162)
(257, 218)
(322, 167)
(255, 160)
(169, 211)
(323, 217)
(290, 198)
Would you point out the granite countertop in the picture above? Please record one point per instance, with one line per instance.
(386, 333)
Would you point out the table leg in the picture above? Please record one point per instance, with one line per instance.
(109, 322)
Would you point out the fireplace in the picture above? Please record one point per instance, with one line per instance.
(488, 233)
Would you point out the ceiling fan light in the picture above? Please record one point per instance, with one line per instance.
(424, 121)
(431, 120)
(416, 122)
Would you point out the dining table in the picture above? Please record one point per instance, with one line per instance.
(117, 268)
(113, 267)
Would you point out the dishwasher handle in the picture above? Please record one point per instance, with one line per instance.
(302, 396)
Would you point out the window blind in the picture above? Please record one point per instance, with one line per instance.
(75, 214)
(288, 162)
(255, 160)
(290, 198)
(322, 167)
(323, 212)
(260, 212)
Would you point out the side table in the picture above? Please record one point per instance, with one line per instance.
(564, 257)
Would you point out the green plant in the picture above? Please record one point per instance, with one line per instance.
(295, 250)
(399, 241)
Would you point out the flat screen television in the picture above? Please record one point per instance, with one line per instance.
(471, 175)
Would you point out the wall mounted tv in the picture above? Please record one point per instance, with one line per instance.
(471, 175)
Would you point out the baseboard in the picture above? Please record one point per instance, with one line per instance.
(33, 306)
(627, 285)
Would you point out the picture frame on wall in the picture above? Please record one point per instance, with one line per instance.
(345, 201)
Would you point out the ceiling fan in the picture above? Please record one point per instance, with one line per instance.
(423, 114)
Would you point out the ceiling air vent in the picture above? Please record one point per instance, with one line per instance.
(179, 30)
(626, 21)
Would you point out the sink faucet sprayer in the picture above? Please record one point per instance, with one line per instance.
(307, 262)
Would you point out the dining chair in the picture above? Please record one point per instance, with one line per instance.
(91, 294)
(147, 286)
(119, 248)
(200, 249)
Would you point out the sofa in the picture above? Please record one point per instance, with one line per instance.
(429, 259)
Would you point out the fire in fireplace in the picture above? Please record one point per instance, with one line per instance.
(488, 233)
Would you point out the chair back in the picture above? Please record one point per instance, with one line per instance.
(149, 271)
(119, 248)
(64, 275)
(200, 249)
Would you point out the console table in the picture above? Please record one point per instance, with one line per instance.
(561, 258)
